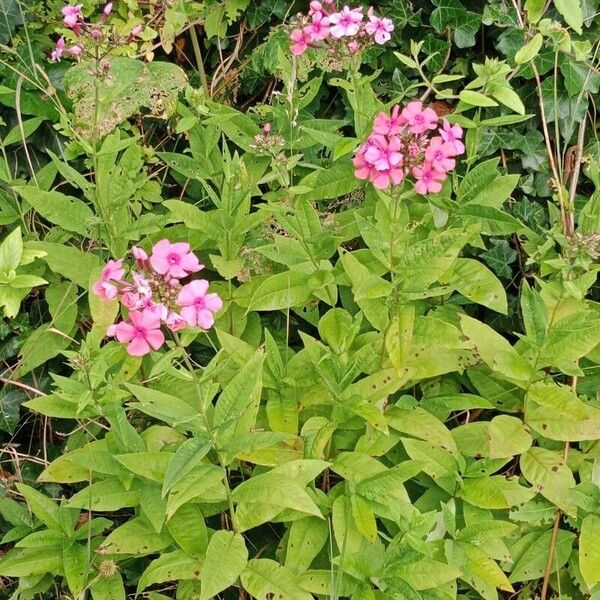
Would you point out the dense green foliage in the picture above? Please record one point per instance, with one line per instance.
(400, 397)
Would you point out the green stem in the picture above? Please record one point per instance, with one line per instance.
(211, 436)
(199, 60)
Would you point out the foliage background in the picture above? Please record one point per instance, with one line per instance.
(400, 398)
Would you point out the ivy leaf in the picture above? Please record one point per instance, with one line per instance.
(499, 257)
(452, 14)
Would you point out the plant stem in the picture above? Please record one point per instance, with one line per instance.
(555, 529)
(199, 61)
(211, 436)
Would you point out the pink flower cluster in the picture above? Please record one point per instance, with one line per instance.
(153, 294)
(404, 143)
(74, 20)
(346, 27)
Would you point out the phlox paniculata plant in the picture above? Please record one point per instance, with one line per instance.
(344, 30)
(86, 37)
(409, 141)
(153, 294)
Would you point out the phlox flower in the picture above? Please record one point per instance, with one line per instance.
(318, 30)
(389, 124)
(58, 49)
(174, 260)
(72, 15)
(141, 333)
(198, 306)
(346, 22)
(440, 155)
(112, 271)
(452, 134)
(419, 119)
(301, 39)
(379, 27)
(428, 179)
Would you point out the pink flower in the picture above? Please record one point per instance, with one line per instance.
(72, 15)
(380, 161)
(389, 125)
(136, 30)
(113, 270)
(175, 322)
(140, 256)
(105, 290)
(130, 300)
(301, 39)
(174, 260)
(107, 9)
(419, 120)
(452, 134)
(353, 47)
(439, 154)
(315, 8)
(266, 128)
(58, 49)
(198, 306)
(428, 179)
(319, 28)
(346, 22)
(141, 334)
(74, 51)
(111, 331)
(379, 28)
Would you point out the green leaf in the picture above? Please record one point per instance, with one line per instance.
(589, 550)
(226, 558)
(556, 413)
(236, 409)
(280, 291)
(306, 539)
(437, 463)
(108, 588)
(332, 182)
(66, 211)
(502, 437)
(531, 563)
(425, 574)
(495, 492)
(530, 50)
(476, 99)
(136, 537)
(75, 565)
(186, 526)
(265, 580)
(477, 283)
(107, 495)
(173, 566)
(507, 96)
(186, 457)
(550, 476)
(11, 250)
(535, 9)
(452, 15)
(42, 507)
(495, 350)
(571, 12)
(28, 562)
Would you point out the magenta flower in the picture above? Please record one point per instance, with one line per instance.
(315, 8)
(452, 134)
(380, 161)
(301, 39)
(107, 9)
(319, 28)
(346, 22)
(72, 15)
(142, 334)
(198, 306)
(379, 28)
(174, 260)
(428, 179)
(439, 154)
(58, 49)
(74, 50)
(419, 120)
(175, 322)
(112, 271)
(389, 125)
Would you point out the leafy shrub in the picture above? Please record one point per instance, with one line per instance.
(391, 388)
